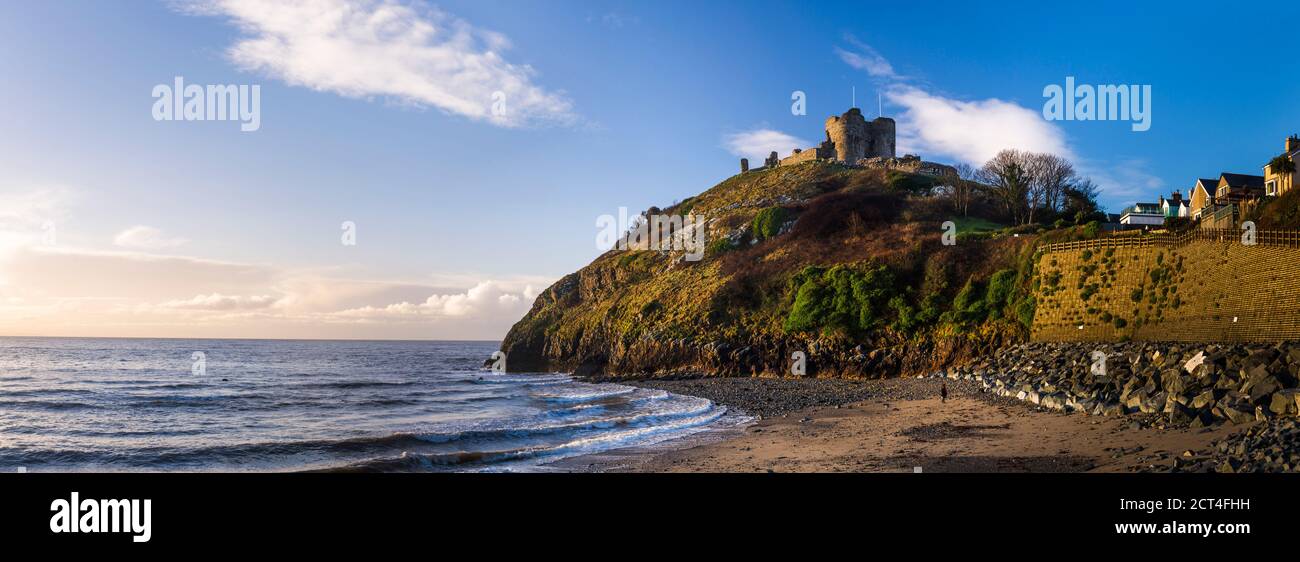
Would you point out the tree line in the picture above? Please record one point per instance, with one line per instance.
(1024, 188)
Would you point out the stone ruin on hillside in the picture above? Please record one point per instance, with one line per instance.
(852, 140)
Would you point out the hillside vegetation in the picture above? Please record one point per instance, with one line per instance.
(844, 264)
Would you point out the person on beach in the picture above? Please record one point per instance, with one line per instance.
(943, 392)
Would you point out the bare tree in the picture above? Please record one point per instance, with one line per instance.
(1053, 175)
(960, 185)
(1080, 201)
(1009, 178)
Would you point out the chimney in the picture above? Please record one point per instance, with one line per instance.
(1292, 144)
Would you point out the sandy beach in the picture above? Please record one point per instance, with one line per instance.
(899, 425)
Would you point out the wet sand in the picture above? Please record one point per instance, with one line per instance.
(903, 425)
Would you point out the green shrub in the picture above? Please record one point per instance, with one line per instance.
(767, 222)
(1025, 312)
(1091, 229)
(907, 317)
(853, 299)
(1088, 291)
(999, 292)
(1053, 279)
(931, 309)
(969, 305)
(719, 246)
(912, 183)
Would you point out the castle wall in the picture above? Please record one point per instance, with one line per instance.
(1211, 288)
(880, 137)
(849, 133)
(803, 156)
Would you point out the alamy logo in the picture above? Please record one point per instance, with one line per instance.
(798, 364)
(949, 236)
(653, 232)
(1103, 102)
(214, 102)
(76, 515)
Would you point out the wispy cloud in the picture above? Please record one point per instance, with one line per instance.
(408, 51)
(861, 56)
(75, 291)
(614, 20)
(973, 131)
(147, 238)
(217, 301)
(487, 297)
(757, 144)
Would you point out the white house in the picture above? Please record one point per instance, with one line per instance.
(1143, 214)
(1175, 206)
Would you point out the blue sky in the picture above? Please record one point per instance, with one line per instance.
(461, 218)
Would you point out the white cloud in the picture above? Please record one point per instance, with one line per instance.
(758, 144)
(146, 237)
(69, 291)
(30, 216)
(866, 59)
(487, 297)
(31, 207)
(218, 301)
(407, 51)
(973, 131)
(970, 131)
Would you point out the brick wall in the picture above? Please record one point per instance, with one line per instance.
(1207, 286)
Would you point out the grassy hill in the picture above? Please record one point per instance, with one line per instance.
(844, 264)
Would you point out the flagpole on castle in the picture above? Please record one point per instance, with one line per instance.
(855, 97)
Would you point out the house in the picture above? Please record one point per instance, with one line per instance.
(1142, 214)
(1202, 196)
(1234, 188)
(1224, 209)
(1175, 206)
(1277, 184)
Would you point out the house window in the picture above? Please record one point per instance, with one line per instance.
(1270, 188)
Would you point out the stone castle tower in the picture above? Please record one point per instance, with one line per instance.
(850, 139)
(856, 138)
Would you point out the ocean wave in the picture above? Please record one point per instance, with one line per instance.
(586, 394)
(489, 431)
(48, 404)
(358, 384)
(640, 436)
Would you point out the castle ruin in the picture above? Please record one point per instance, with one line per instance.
(852, 140)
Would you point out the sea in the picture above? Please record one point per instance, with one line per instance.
(232, 405)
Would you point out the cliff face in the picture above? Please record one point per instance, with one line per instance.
(842, 264)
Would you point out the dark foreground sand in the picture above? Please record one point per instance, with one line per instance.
(898, 425)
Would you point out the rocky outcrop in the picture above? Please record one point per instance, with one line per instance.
(1184, 384)
(1270, 447)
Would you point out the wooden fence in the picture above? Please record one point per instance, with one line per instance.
(1272, 238)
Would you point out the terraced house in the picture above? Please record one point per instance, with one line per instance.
(1202, 196)
(1222, 208)
(1279, 173)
